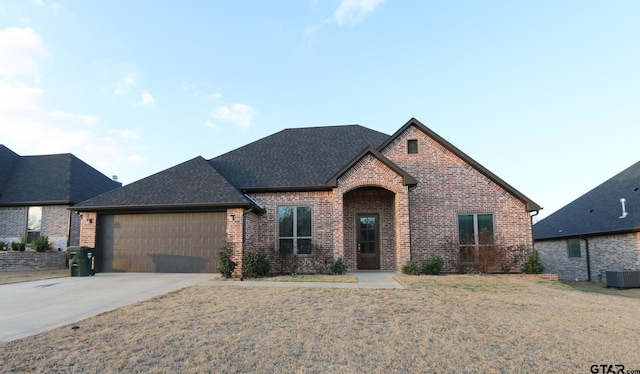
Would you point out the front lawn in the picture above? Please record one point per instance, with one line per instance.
(456, 323)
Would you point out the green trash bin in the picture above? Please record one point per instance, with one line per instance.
(81, 261)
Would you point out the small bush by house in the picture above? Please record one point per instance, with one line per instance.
(410, 268)
(226, 265)
(255, 265)
(433, 266)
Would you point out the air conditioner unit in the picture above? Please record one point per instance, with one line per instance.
(623, 278)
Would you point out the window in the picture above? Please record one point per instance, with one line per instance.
(573, 248)
(34, 223)
(294, 228)
(412, 146)
(474, 230)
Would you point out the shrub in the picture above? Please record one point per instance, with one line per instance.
(410, 268)
(319, 259)
(339, 267)
(433, 266)
(226, 265)
(255, 265)
(4, 246)
(41, 244)
(509, 258)
(532, 263)
(20, 246)
(286, 261)
(488, 257)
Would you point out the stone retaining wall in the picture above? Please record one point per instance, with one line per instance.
(13, 261)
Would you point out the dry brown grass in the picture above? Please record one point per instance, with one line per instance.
(31, 275)
(455, 323)
(602, 288)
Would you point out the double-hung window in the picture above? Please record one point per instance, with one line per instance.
(474, 231)
(294, 229)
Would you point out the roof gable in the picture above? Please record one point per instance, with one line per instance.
(530, 204)
(295, 159)
(194, 183)
(598, 211)
(407, 179)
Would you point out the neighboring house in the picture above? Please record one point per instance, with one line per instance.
(597, 232)
(323, 192)
(36, 193)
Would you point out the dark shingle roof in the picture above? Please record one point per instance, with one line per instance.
(50, 179)
(8, 159)
(191, 184)
(300, 158)
(597, 211)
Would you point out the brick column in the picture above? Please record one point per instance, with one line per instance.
(235, 236)
(403, 222)
(88, 224)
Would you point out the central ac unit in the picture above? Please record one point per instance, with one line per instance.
(623, 278)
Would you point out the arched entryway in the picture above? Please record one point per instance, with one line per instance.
(369, 228)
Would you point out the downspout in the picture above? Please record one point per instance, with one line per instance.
(531, 218)
(69, 228)
(586, 249)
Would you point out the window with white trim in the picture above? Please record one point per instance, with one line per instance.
(294, 229)
(474, 231)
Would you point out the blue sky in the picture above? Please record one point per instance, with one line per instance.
(546, 94)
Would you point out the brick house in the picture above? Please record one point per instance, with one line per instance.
(36, 193)
(599, 231)
(339, 191)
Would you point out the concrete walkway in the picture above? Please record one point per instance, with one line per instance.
(29, 308)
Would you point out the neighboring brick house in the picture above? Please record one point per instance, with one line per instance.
(36, 193)
(597, 232)
(343, 191)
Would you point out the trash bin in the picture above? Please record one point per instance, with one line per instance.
(81, 261)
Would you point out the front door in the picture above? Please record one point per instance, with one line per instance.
(368, 248)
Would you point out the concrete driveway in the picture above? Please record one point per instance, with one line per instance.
(29, 308)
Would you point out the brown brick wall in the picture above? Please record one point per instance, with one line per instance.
(263, 236)
(371, 172)
(88, 224)
(447, 187)
(235, 236)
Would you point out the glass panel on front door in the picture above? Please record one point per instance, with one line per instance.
(368, 253)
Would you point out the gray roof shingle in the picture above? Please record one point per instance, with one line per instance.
(300, 158)
(49, 179)
(597, 211)
(191, 184)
